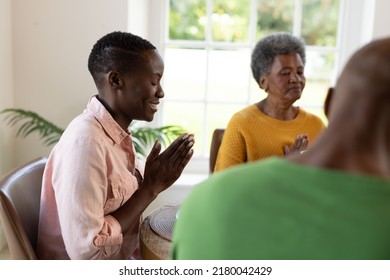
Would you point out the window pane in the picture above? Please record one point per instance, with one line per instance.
(185, 74)
(187, 19)
(318, 71)
(229, 75)
(230, 20)
(319, 22)
(314, 94)
(319, 65)
(205, 85)
(257, 94)
(189, 115)
(274, 16)
(218, 117)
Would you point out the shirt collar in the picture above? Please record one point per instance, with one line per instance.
(108, 123)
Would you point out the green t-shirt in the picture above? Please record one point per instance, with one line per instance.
(275, 209)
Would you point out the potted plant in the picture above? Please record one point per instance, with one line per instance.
(143, 137)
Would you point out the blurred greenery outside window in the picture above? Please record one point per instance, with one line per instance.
(207, 53)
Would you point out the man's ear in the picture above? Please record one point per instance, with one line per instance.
(328, 101)
(263, 83)
(114, 79)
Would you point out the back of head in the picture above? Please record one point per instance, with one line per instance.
(363, 89)
(272, 45)
(116, 51)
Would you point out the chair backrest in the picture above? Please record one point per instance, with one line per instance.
(20, 195)
(215, 144)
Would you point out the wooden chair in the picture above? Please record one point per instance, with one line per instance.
(20, 195)
(215, 144)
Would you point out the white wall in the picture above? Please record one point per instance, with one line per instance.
(381, 19)
(6, 85)
(6, 91)
(52, 40)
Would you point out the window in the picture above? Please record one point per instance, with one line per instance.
(206, 45)
(207, 50)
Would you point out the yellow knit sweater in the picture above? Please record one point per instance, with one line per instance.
(252, 135)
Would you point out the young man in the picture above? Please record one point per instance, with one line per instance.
(331, 202)
(94, 188)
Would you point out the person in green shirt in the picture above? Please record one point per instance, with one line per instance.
(331, 202)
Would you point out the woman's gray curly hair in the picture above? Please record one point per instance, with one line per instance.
(272, 45)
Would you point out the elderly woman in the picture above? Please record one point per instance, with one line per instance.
(273, 126)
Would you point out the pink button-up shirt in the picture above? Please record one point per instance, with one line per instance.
(90, 173)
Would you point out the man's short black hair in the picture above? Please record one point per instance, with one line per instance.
(116, 51)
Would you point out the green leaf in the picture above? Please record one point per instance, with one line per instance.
(144, 137)
(30, 123)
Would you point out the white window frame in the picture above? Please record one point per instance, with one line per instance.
(148, 18)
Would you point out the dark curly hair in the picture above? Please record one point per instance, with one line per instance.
(117, 50)
(272, 45)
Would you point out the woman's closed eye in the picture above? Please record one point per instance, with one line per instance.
(155, 82)
(285, 72)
